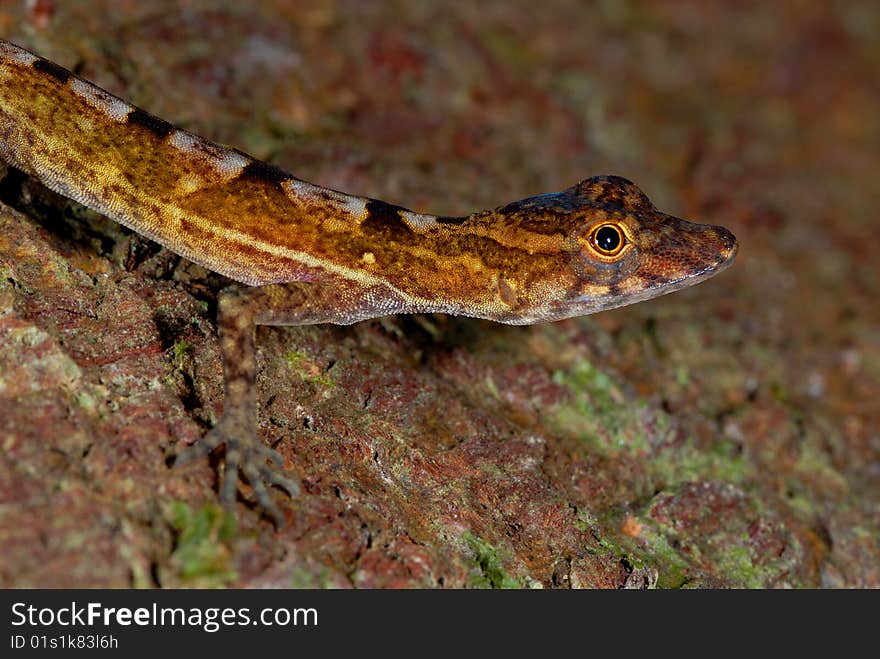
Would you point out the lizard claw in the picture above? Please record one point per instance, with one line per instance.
(245, 454)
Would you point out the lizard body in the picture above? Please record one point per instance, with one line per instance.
(308, 254)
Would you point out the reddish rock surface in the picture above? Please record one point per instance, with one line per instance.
(723, 436)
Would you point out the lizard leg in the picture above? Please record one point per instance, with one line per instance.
(237, 315)
(240, 309)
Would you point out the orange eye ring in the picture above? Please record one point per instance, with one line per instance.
(608, 239)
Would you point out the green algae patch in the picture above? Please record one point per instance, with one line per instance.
(307, 370)
(708, 534)
(816, 465)
(179, 352)
(646, 550)
(719, 461)
(202, 556)
(738, 564)
(717, 531)
(7, 277)
(313, 576)
(491, 573)
(653, 550)
(85, 399)
(600, 416)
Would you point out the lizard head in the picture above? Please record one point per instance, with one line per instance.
(618, 249)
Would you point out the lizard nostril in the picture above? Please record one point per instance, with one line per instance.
(727, 240)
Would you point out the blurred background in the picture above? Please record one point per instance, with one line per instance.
(728, 435)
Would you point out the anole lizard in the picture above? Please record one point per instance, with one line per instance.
(306, 254)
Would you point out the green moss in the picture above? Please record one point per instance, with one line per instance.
(9, 280)
(202, 555)
(85, 399)
(301, 577)
(737, 561)
(492, 388)
(492, 574)
(682, 376)
(585, 521)
(683, 559)
(672, 568)
(737, 564)
(779, 392)
(179, 354)
(7, 275)
(651, 551)
(816, 464)
(599, 415)
(306, 370)
(720, 461)
(505, 47)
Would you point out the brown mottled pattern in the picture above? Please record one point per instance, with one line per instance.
(518, 263)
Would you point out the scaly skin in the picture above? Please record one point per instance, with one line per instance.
(307, 254)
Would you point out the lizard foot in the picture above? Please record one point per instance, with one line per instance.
(245, 453)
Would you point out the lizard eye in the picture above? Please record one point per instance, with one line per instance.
(607, 239)
(605, 250)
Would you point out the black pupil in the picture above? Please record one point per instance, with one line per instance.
(608, 239)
